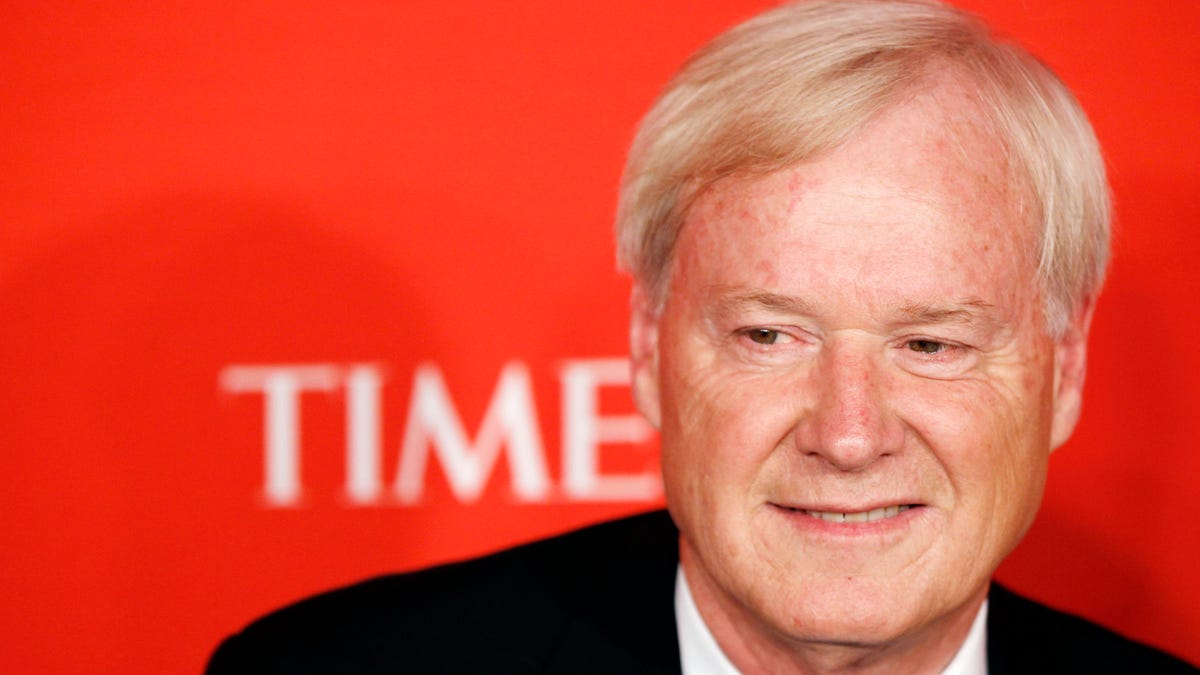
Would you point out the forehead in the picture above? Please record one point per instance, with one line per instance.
(920, 200)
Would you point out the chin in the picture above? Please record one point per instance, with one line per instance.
(853, 611)
(849, 617)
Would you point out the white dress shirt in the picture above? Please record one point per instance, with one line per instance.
(699, 653)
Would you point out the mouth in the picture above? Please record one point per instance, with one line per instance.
(869, 516)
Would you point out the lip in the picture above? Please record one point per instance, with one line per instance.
(873, 519)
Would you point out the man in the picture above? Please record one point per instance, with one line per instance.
(867, 241)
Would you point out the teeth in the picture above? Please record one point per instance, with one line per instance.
(859, 516)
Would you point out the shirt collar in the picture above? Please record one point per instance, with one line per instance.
(699, 653)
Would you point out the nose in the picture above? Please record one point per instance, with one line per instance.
(849, 421)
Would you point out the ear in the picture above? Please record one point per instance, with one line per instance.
(1070, 370)
(643, 355)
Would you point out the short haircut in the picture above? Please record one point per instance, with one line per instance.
(799, 80)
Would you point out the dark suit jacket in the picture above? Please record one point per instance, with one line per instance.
(599, 600)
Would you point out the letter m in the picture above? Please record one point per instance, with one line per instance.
(510, 421)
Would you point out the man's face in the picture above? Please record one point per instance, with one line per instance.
(855, 390)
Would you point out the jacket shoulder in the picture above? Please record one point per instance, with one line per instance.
(1027, 637)
(510, 611)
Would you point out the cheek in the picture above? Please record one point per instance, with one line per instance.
(991, 439)
(719, 428)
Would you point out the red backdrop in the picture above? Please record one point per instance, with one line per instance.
(421, 192)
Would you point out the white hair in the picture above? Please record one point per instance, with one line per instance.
(801, 79)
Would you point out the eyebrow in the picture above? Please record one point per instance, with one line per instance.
(970, 311)
(729, 300)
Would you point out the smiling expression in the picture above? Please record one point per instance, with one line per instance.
(855, 389)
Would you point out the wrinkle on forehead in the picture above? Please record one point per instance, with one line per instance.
(957, 126)
(926, 172)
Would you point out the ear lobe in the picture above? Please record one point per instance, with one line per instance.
(1070, 371)
(643, 355)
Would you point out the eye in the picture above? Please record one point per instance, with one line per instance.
(763, 336)
(927, 346)
(935, 358)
